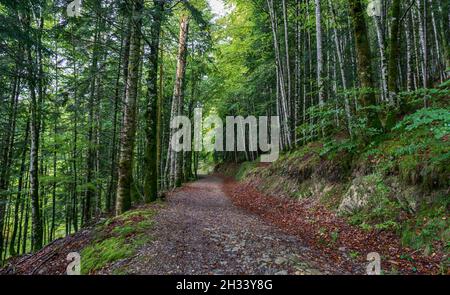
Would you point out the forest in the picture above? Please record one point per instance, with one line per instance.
(361, 90)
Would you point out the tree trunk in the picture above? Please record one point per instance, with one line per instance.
(178, 100)
(363, 61)
(128, 133)
(381, 46)
(341, 69)
(394, 49)
(12, 249)
(280, 79)
(320, 62)
(153, 131)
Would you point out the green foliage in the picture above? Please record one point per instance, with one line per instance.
(245, 169)
(431, 225)
(417, 150)
(438, 120)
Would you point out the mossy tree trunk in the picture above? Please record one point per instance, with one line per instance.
(153, 128)
(128, 132)
(363, 61)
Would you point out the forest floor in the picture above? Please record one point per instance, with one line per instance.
(200, 231)
(217, 225)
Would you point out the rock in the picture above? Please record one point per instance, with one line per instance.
(359, 193)
(282, 273)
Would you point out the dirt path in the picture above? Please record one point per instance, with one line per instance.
(200, 231)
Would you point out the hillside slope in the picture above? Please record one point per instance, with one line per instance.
(391, 196)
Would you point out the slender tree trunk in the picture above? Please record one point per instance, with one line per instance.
(178, 100)
(37, 232)
(409, 69)
(12, 249)
(151, 159)
(6, 157)
(423, 41)
(128, 134)
(283, 99)
(288, 60)
(341, 69)
(90, 165)
(438, 59)
(383, 63)
(394, 49)
(320, 62)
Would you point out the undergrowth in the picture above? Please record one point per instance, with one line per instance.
(116, 239)
(407, 168)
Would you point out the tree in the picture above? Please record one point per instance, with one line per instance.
(128, 133)
(394, 49)
(153, 128)
(174, 159)
(363, 61)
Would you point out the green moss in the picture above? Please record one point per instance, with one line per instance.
(116, 239)
(431, 225)
(100, 254)
(245, 169)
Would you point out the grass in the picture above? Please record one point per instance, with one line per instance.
(116, 239)
(245, 169)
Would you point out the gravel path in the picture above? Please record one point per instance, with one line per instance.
(200, 231)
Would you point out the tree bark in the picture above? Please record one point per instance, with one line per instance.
(128, 133)
(394, 50)
(363, 61)
(178, 100)
(153, 128)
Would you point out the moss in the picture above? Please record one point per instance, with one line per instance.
(100, 254)
(431, 225)
(381, 211)
(116, 239)
(245, 169)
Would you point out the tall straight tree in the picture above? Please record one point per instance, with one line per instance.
(174, 160)
(90, 191)
(320, 62)
(35, 107)
(363, 61)
(153, 128)
(128, 132)
(281, 84)
(394, 49)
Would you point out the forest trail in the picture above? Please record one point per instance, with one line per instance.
(200, 231)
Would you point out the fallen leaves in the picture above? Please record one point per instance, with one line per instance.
(323, 230)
